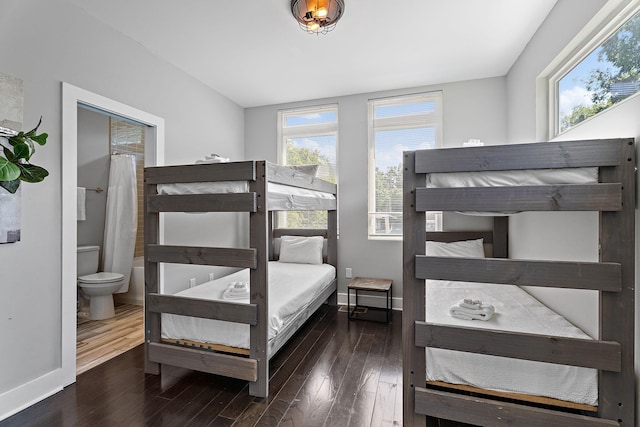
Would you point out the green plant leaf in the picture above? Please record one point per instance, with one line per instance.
(32, 173)
(40, 139)
(8, 171)
(17, 139)
(20, 151)
(10, 186)
(8, 154)
(33, 131)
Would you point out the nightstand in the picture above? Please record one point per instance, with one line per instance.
(369, 285)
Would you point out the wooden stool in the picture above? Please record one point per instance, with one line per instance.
(370, 285)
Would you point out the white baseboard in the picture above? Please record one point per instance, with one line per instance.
(370, 300)
(25, 395)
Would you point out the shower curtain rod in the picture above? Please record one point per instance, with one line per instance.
(97, 189)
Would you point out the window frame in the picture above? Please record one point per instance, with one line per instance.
(604, 24)
(409, 121)
(315, 129)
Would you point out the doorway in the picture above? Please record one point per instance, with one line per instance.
(105, 207)
(72, 98)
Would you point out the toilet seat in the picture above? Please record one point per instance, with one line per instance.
(102, 277)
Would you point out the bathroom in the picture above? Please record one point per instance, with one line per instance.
(109, 143)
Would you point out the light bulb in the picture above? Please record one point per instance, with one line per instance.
(312, 27)
(322, 13)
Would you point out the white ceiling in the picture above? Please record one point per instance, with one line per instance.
(255, 53)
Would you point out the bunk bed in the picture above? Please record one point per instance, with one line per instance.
(610, 356)
(258, 188)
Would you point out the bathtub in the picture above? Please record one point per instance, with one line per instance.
(135, 295)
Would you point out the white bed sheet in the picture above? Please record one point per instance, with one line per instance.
(292, 288)
(513, 178)
(281, 197)
(516, 310)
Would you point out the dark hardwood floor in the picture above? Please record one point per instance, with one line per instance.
(334, 372)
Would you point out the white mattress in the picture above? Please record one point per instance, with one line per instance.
(281, 197)
(518, 311)
(292, 288)
(513, 178)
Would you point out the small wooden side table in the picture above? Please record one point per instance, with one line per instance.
(370, 285)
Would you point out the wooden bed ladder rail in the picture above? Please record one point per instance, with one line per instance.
(491, 412)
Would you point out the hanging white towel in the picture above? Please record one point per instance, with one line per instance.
(82, 211)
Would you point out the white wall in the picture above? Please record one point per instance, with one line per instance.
(566, 235)
(472, 109)
(552, 235)
(45, 43)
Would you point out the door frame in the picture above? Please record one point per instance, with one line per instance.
(72, 98)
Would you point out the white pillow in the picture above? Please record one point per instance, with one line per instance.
(465, 249)
(301, 250)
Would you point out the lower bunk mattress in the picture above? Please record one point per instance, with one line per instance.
(517, 311)
(292, 289)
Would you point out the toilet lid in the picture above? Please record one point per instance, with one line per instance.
(102, 277)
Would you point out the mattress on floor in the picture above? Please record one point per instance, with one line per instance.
(281, 197)
(292, 288)
(518, 311)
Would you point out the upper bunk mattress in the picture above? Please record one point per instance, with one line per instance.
(513, 178)
(518, 311)
(281, 197)
(292, 288)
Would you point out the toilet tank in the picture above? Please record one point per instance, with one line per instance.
(88, 258)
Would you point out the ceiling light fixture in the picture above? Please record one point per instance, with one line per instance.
(317, 16)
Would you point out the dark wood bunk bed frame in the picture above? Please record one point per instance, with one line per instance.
(613, 276)
(255, 367)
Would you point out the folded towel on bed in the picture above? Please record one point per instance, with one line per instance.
(474, 304)
(467, 309)
(213, 158)
(236, 290)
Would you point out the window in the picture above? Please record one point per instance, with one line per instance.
(608, 74)
(308, 136)
(396, 125)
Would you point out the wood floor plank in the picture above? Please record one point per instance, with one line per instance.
(315, 406)
(100, 340)
(287, 394)
(364, 402)
(340, 413)
(333, 372)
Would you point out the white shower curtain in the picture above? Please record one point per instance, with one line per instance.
(121, 218)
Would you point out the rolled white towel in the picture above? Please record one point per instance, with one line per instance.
(484, 312)
(470, 303)
(236, 290)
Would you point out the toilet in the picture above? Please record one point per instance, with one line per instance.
(98, 287)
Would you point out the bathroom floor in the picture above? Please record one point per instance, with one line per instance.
(100, 340)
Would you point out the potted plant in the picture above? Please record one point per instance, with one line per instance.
(15, 159)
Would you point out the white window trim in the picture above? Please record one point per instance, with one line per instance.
(607, 21)
(316, 129)
(420, 120)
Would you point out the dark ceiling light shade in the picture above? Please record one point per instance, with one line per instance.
(317, 16)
